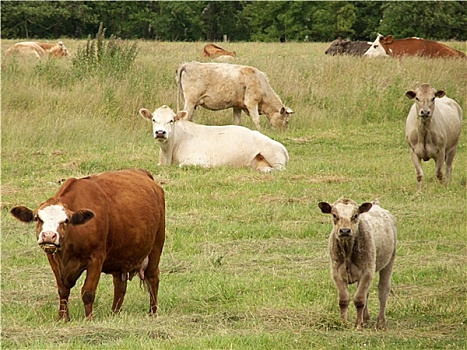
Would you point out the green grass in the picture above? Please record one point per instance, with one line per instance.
(245, 263)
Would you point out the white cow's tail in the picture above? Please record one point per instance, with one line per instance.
(179, 85)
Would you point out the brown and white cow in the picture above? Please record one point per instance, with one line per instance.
(185, 143)
(217, 86)
(347, 47)
(389, 47)
(214, 51)
(113, 222)
(39, 49)
(432, 130)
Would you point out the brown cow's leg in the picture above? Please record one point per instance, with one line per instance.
(88, 292)
(63, 292)
(151, 276)
(120, 285)
(63, 313)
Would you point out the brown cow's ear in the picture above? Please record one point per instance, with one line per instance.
(410, 94)
(22, 213)
(145, 113)
(388, 39)
(364, 207)
(180, 115)
(325, 207)
(81, 217)
(440, 93)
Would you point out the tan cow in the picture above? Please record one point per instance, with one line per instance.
(185, 143)
(214, 51)
(432, 130)
(26, 48)
(362, 242)
(39, 50)
(217, 86)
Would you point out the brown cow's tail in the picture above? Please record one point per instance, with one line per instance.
(179, 85)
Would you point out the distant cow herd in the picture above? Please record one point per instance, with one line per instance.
(87, 224)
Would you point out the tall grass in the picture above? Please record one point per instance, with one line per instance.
(245, 263)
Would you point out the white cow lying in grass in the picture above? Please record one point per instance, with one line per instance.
(362, 242)
(186, 143)
(432, 130)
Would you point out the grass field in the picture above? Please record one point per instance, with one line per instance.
(245, 263)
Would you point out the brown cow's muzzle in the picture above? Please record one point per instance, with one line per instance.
(49, 242)
(49, 248)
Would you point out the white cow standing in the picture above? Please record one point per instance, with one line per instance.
(432, 130)
(217, 86)
(186, 143)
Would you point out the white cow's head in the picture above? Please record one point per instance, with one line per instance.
(345, 213)
(53, 220)
(163, 120)
(425, 99)
(376, 49)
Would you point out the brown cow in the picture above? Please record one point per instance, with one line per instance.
(214, 51)
(387, 46)
(113, 222)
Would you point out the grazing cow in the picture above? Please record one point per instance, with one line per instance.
(362, 242)
(347, 47)
(185, 143)
(113, 222)
(217, 86)
(432, 130)
(214, 51)
(39, 49)
(389, 47)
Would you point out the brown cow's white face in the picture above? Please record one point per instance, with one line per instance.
(376, 49)
(163, 120)
(425, 100)
(345, 213)
(52, 221)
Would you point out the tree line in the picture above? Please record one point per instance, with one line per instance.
(266, 21)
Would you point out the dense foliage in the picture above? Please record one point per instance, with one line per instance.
(239, 20)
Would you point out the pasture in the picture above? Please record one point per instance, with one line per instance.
(245, 264)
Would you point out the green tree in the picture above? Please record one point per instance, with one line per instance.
(430, 20)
